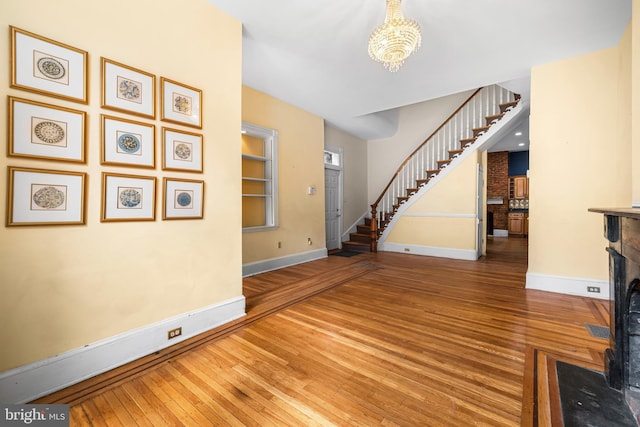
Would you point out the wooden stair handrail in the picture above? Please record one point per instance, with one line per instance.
(375, 204)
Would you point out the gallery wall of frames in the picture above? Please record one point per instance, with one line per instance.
(128, 140)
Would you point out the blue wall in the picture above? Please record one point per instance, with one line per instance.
(518, 163)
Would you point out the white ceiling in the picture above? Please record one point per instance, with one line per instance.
(313, 54)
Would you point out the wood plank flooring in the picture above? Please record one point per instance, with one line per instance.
(376, 339)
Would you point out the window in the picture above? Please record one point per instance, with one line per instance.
(331, 157)
(259, 178)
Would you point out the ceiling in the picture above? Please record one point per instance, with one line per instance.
(313, 54)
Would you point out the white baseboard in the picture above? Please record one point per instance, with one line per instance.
(29, 382)
(567, 285)
(500, 233)
(258, 267)
(466, 254)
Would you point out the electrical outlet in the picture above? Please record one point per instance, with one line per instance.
(309, 242)
(594, 289)
(174, 333)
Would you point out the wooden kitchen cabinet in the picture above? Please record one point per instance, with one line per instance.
(516, 223)
(519, 187)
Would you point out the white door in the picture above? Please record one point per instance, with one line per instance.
(332, 212)
(480, 212)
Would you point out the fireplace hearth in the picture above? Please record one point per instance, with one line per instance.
(622, 358)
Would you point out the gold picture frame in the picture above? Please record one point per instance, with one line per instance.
(182, 150)
(127, 142)
(44, 131)
(180, 103)
(48, 67)
(45, 197)
(127, 89)
(128, 197)
(182, 199)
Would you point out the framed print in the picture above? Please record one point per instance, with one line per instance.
(182, 199)
(127, 89)
(127, 143)
(181, 151)
(180, 103)
(45, 197)
(48, 67)
(45, 131)
(128, 197)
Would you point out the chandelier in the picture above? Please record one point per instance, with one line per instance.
(395, 40)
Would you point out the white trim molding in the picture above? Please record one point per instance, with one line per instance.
(29, 382)
(263, 266)
(454, 253)
(567, 285)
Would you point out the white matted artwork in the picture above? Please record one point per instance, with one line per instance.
(128, 197)
(183, 199)
(128, 89)
(181, 150)
(127, 142)
(45, 197)
(180, 103)
(47, 67)
(46, 131)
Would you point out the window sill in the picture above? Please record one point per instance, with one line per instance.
(260, 228)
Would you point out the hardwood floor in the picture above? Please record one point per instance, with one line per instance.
(376, 339)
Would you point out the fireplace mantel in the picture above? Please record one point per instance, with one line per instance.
(622, 358)
(621, 212)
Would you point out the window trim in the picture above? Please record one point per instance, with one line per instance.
(270, 138)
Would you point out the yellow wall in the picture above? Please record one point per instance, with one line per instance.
(579, 158)
(635, 106)
(301, 164)
(67, 286)
(442, 217)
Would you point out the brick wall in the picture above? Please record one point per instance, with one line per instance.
(498, 187)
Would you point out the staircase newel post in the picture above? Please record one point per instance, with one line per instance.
(373, 229)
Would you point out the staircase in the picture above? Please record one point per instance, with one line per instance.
(486, 107)
(360, 241)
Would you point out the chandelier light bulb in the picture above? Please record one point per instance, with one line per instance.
(395, 40)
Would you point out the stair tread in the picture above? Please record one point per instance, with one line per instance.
(480, 128)
(354, 243)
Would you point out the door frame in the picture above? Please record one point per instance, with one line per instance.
(337, 167)
(480, 212)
